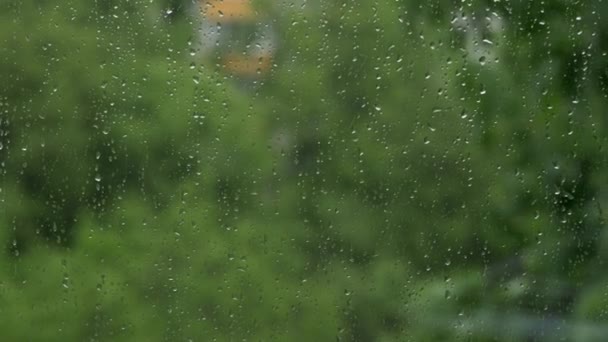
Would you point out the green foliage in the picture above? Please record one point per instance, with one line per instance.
(407, 170)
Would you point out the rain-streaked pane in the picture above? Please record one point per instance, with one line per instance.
(303, 170)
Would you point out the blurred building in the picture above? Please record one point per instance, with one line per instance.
(234, 35)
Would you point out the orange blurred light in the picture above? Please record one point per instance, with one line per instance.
(227, 10)
(248, 66)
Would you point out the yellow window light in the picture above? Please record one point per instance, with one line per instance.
(247, 66)
(227, 10)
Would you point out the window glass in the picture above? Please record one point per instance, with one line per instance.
(303, 170)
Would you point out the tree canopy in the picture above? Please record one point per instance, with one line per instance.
(405, 170)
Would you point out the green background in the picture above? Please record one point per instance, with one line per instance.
(408, 170)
